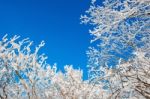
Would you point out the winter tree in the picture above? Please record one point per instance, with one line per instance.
(118, 66)
(24, 74)
(121, 58)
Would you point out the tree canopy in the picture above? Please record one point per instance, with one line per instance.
(119, 65)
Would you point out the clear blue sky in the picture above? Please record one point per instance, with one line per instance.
(54, 21)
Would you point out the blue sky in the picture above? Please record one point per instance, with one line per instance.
(54, 21)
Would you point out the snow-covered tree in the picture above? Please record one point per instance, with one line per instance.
(24, 74)
(118, 66)
(121, 27)
(121, 58)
